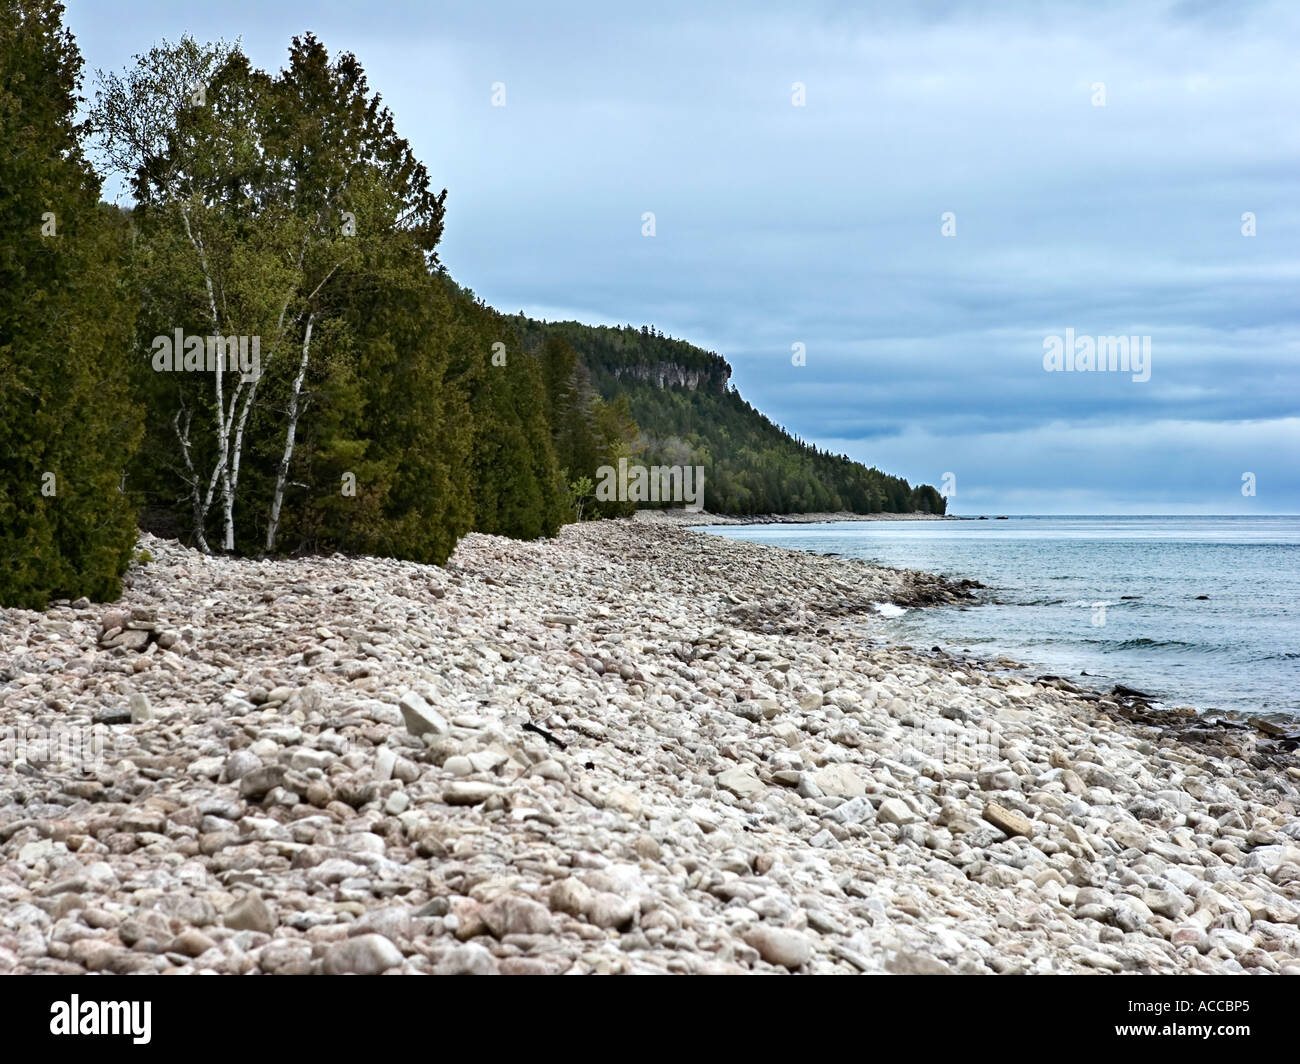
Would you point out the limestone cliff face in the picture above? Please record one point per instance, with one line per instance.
(666, 374)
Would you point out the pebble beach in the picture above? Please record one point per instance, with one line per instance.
(630, 749)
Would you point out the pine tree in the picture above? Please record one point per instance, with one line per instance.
(67, 422)
(272, 208)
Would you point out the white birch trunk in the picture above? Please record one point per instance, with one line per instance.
(223, 423)
(290, 434)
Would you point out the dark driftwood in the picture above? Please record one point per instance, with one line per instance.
(530, 726)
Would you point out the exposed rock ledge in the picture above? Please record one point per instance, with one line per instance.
(633, 748)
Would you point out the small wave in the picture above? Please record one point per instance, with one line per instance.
(1143, 643)
(888, 609)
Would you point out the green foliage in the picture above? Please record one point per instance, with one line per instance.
(687, 414)
(516, 482)
(394, 410)
(587, 431)
(581, 492)
(285, 207)
(67, 421)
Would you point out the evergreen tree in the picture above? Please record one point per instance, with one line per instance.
(688, 413)
(286, 208)
(67, 422)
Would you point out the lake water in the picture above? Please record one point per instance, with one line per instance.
(1104, 599)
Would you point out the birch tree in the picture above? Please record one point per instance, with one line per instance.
(276, 200)
(181, 125)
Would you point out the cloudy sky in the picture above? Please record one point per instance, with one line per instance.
(822, 224)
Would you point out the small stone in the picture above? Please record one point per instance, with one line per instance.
(306, 700)
(260, 781)
(840, 781)
(895, 811)
(571, 896)
(469, 958)
(112, 715)
(647, 847)
(239, 764)
(250, 913)
(612, 911)
(550, 769)
(854, 811)
(140, 710)
(776, 945)
(304, 758)
(1130, 835)
(368, 954)
(903, 962)
(741, 782)
(1168, 903)
(286, 958)
(95, 955)
(458, 765)
(513, 914)
(191, 943)
(132, 639)
(468, 792)
(420, 717)
(318, 794)
(32, 852)
(1007, 820)
(624, 800)
(394, 923)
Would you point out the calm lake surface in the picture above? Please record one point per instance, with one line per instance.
(1105, 599)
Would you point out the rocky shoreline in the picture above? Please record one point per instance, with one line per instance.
(629, 749)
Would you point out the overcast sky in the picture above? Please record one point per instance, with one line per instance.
(821, 224)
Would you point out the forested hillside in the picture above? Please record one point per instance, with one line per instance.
(263, 354)
(688, 413)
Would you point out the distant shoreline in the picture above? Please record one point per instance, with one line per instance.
(688, 518)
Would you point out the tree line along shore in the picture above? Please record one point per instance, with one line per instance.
(263, 354)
